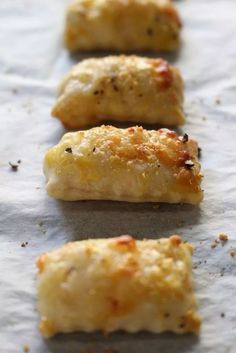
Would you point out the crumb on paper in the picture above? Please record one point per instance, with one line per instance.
(195, 266)
(24, 244)
(204, 118)
(223, 237)
(215, 243)
(14, 166)
(222, 315)
(42, 227)
(26, 348)
(218, 101)
(232, 253)
(222, 272)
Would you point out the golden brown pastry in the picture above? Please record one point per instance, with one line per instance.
(121, 88)
(117, 284)
(122, 25)
(136, 165)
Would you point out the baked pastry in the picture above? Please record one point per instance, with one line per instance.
(136, 165)
(121, 88)
(122, 25)
(117, 284)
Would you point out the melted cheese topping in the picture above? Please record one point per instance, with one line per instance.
(137, 165)
(121, 88)
(122, 25)
(119, 283)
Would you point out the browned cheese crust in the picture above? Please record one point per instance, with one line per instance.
(117, 283)
(122, 25)
(134, 164)
(121, 88)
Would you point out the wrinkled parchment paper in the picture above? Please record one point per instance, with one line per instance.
(32, 61)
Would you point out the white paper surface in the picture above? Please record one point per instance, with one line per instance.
(32, 62)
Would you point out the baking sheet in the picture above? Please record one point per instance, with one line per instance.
(32, 61)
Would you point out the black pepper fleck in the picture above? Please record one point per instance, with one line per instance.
(23, 245)
(199, 152)
(222, 314)
(94, 149)
(189, 164)
(68, 150)
(185, 138)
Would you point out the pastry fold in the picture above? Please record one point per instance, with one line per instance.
(134, 164)
(121, 88)
(122, 25)
(117, 284)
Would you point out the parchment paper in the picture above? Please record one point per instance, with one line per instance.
(32, 62)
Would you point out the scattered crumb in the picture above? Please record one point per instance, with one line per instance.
(26, 348)
(222, 272)
(24, 244)
(232, 253)
(223, 237)
(204, 118)
(218, 101)
(222, 314)
(197, 264)
(213, 245)
(42, 227)
(14, 166)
